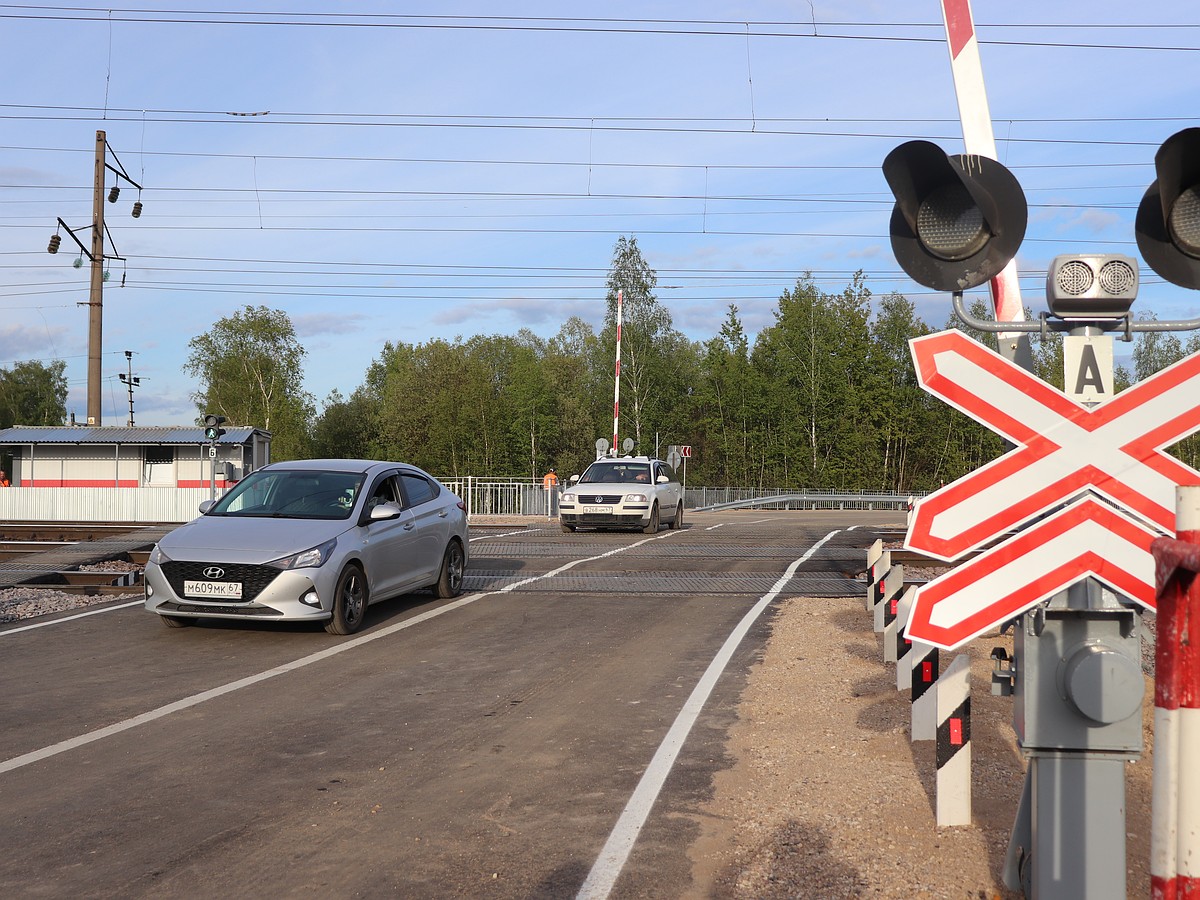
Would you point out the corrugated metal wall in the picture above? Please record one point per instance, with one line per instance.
(79, 504)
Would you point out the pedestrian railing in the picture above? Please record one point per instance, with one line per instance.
(483, 497)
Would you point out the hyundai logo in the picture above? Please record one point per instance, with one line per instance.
(213, 572)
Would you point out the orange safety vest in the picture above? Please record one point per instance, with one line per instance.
(550, 481)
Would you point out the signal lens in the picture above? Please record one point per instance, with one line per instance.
(1184, 222)
(950, 225)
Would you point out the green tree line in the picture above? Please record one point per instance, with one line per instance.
(825, 397)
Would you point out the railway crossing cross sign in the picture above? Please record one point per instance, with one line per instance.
(1098, 476)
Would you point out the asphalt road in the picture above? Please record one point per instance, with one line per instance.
(494, 745)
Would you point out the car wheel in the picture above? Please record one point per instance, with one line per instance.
(677, 522)
(450, 581)
(568, 529)
(350, 599)
(177, 621)
(651, 527)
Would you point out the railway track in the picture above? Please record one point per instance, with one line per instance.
(93, 559)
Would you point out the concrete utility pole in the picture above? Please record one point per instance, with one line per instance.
(96, 294)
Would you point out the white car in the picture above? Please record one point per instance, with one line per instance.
(623, 492)
(311, 540)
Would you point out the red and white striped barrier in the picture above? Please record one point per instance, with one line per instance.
(1175, 821)
(954, 743)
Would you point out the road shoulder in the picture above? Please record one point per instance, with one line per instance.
(827, 797)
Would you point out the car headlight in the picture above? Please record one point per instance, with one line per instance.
(157, 556)
(306, 559)
(636, 498)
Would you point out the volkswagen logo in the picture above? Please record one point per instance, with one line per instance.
(599, 499)
(213, 572)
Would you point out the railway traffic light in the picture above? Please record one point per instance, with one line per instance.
(1168, 220)
(958, 220)
(212, 427)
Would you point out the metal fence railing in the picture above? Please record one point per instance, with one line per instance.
(483, 497)
(728, 497)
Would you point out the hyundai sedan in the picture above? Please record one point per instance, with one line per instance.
(311, 540)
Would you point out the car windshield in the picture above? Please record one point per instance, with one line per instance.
(292, 494)
(617, 473)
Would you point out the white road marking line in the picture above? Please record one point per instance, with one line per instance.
(33, 756)
(92, 612)
(484, 537)
(715, 527)
(620, 842)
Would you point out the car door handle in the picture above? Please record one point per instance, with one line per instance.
(408, 526)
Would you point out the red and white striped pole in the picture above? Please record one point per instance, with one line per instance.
(1175, 820)
(978, 138)
(617, 379)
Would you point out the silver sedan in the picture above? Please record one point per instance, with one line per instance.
(311, 540)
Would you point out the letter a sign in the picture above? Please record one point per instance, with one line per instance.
(1088, 363)
(1094, 481)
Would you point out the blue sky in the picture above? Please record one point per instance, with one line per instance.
(451, 169)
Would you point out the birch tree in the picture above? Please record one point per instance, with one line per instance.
(251, 370)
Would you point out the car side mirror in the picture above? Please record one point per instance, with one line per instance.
(662, 479)
(574, 479)
(382, 511)
(206, 505)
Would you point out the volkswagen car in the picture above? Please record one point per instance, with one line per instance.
(623, 492)
(311, 541)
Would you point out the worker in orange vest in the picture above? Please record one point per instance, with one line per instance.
(550, 482)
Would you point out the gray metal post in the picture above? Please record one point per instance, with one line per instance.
(1078, 691)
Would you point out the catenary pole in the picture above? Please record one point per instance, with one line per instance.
(96, 294)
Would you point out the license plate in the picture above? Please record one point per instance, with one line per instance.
(598, 510)
(224, 589)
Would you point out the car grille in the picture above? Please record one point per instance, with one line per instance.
(225, 609)
(253, 578)
(598, 499)
(597, 519)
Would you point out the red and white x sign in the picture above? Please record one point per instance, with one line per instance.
(1087, 538)
(1063, 448)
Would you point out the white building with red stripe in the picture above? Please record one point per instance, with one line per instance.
(119, 457)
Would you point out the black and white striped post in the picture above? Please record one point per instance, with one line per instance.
(885, 609)
(954, 743)
(922, 676)
(878, 563)
(895, 644)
